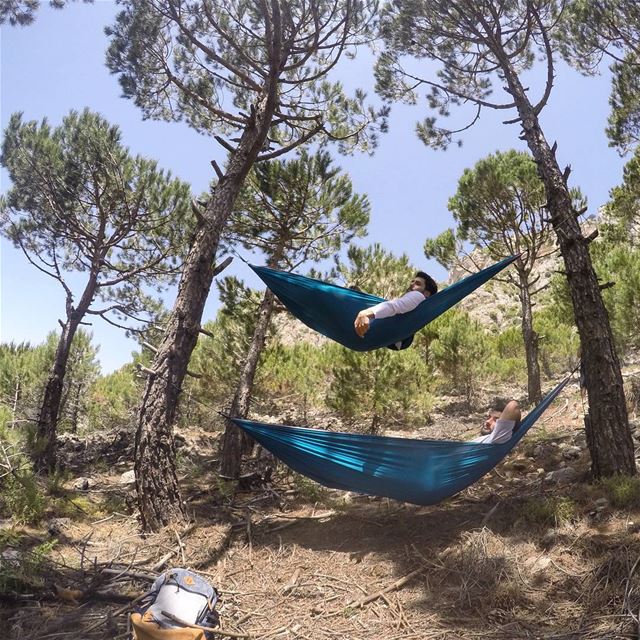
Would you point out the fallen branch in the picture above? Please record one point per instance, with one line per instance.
(129, 574)
(398, 584)
(282, 516)
(167, 556)
(291, 585)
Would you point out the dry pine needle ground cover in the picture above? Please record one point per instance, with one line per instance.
(512, 557)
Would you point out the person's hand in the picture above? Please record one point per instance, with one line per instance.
(361, 323)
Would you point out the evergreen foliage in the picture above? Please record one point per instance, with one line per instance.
(381, 387)
(79, 203)
(374, 270)
(297, 211)
(293, 212)
(500, 209)
(113, 399)
(379, 384)
(256, 74)
(218, 359)
(460, 353)
(296, 377)
(209, 64)
(23, 12)
(619, 263)
(559, 342)
(608, 29)
(622, 212)
(23, 376)
(478, 56)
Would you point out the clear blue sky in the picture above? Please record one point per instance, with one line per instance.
(57, 64)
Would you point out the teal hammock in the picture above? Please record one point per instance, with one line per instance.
(331, 309)
(418, 471)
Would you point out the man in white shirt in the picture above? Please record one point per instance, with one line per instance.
(499, 426)
(422, 286)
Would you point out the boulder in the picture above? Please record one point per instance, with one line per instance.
(128, 477)
(82, 484)
(520, 464)
(562, 476)
(55, 526)
(571, 452)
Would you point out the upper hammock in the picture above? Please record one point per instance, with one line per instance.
(331, 309)
(417, 471)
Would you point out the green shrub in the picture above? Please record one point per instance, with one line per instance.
(459, 352)
(380, 387)
(22, 498)
(309, 489)
(28, 572)
(55, 483)
(623, 491)
(559, 342)
(113, 399)
(507, 359)
(295, 375)
(548, 511)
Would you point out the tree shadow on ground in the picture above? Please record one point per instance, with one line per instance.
(484, 565)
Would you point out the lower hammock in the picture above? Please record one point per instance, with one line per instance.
(418, 471)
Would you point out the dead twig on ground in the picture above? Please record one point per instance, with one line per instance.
(291, 585)
(398, 584)
(115, 614)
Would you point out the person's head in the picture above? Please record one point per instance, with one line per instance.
(491, 419)
(424, 283)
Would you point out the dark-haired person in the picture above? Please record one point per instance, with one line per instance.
(422, 286)
(499, 426)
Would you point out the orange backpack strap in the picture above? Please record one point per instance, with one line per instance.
(144, 628)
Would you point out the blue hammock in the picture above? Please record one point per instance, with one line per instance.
(417, 471)
(331, 309)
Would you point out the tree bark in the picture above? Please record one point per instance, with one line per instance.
(235, 443)
(45, 455)
(45, 446)
(534, 391)
(156, 479)
(611, 445)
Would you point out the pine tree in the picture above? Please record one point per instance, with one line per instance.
(255, 73)
(481, 49)
(80, 203)
(499, 208)
(293, 212)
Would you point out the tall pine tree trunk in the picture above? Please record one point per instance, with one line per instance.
(156, 480)
(45, 454)
(534, 392)
(608, 433)
(45, 457)
(234, 443)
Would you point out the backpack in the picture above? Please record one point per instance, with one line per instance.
(183, 594)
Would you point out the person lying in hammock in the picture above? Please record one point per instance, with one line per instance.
(422, 286)
(499, 426)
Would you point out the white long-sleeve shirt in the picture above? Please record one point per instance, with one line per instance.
(408, 302)
(502, 431)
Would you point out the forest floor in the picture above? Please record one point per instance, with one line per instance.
(515, 556)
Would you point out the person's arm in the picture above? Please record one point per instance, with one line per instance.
(408, 302)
